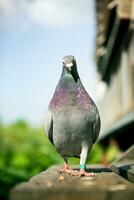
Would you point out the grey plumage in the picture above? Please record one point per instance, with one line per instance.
(72, 122)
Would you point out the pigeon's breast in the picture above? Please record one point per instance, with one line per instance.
(83, 99)
(73, 96)
(63, 98)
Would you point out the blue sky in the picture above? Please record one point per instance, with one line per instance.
(34, 36)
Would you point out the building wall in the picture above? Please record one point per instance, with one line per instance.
(118, 100)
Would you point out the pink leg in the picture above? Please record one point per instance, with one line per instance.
(66, 169)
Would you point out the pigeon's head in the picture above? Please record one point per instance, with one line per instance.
(70, 66)
(69, 62)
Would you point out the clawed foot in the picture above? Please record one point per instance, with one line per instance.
(67, 171)
(79, 173)
(82, 172)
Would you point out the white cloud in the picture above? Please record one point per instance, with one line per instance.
(13, 11)
(59, 13)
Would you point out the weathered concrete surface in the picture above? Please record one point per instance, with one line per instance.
(51, 185)
(124, 165)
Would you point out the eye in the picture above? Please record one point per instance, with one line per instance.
(63, 62)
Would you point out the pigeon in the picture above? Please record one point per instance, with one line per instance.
(72, 121)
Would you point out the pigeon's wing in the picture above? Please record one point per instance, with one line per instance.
(95, 126)
(49, 125)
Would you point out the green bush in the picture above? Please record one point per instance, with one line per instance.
(24, 152)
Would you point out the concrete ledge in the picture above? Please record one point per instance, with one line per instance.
(124, 165)
(51, 185)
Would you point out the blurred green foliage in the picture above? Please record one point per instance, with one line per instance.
(25, 151)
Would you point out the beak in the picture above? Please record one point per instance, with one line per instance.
(69, 65)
